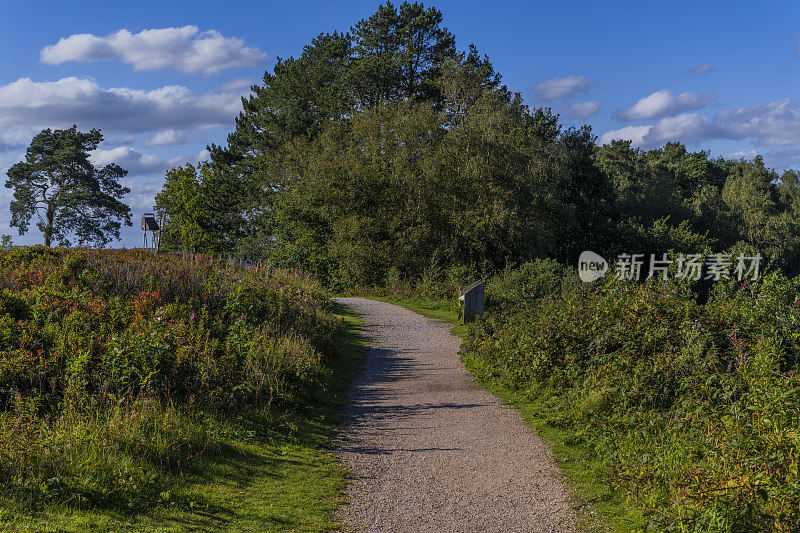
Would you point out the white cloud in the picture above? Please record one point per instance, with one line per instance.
(5, 164)
(27, 107)
(238, 86)
(782, 158)
(131, 159)
(687, 127)
(202, 155)
(701, 69)
(14, 137)
(776, 124)
(777, 158)
(118, 140)
(142, 196)
(584, 110)
(183, 49)
(662, 104)
(562, 87)
(145, 172)
(148, 174)
(741, 154)
(199, 157)
(635, 134)
(773, 124)
(168, 137)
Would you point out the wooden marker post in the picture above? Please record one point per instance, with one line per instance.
(472, 299)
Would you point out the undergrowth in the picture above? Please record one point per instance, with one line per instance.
(122, 372)
(689, 409)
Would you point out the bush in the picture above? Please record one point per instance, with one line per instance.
(532, 280)
(691, 408)
(115, 365)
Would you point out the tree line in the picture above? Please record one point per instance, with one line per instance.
(384, 151)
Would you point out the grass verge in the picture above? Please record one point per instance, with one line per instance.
(282, 479)
(599, 506)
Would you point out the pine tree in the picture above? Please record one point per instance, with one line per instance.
(70, 196)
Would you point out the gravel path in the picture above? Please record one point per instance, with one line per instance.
(431, 451)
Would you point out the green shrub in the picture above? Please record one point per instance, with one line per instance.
(693, 409)
(532, 280)
(119, 367)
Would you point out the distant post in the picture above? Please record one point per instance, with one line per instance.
(472, 299)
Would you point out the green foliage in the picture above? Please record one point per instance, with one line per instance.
(376, 150)
(181, 200)
(690, 408)
(200, 209)
(530, 281)
(118, 369)
(58, 184)
(670, 199)
(762, 215)
(397, 54)
(396, 185)
(381, 148)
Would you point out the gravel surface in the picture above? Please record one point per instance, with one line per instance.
(429, 450)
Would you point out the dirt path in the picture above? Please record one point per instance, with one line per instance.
(431, 451)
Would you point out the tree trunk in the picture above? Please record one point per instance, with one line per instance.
(48, 229)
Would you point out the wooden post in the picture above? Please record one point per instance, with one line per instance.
(472, 298)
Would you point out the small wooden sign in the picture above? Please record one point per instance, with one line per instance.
(472, 298)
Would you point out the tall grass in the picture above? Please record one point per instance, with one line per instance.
(119, 369)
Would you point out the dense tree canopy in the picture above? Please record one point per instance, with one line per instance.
(202, 209)
(71, 198)
(383, 151)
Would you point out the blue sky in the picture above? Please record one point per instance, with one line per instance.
(170, 83)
